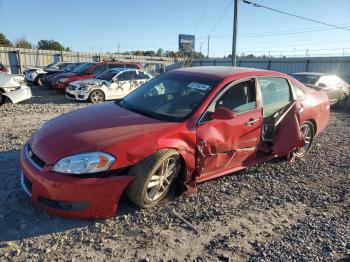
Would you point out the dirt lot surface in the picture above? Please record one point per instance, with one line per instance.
(276, 211)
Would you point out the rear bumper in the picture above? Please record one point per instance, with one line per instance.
(72, 196)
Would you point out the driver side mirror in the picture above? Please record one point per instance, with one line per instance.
(222, 113)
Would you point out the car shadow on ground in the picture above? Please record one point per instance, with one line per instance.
(20, 219)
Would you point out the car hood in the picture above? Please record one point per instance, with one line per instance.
(91, 129)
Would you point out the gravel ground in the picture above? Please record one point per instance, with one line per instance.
(276, 211)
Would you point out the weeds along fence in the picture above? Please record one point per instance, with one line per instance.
(289, 65)
(19, 58)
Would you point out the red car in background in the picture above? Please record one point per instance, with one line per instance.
(181, 128)
(3, 68)
(89, 70)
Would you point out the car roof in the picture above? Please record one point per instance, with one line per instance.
(310, 73)
(222, 71)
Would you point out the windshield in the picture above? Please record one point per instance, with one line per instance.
(107, 75)
(50, 65)
(307, 79)
(63, 65)
(170, 96)
(71, 67)
(82, 68)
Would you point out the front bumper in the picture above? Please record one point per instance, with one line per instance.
(72, 196)
(75, 95)
(19, 95)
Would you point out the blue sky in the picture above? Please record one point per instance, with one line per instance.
(87, 25)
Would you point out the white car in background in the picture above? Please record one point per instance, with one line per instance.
(35, 75)
(14, 88)
(111, 84)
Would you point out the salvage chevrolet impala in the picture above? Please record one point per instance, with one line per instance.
(181, 128)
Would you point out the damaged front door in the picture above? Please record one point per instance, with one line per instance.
(229, 132)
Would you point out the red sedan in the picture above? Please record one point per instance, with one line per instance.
(178, 129)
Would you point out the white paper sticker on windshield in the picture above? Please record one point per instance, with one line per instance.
(198, 86)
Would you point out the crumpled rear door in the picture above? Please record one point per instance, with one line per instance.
(288, 136)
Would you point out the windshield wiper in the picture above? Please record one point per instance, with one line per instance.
(123, 104)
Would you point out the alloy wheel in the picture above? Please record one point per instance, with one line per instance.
(160, 182)
(97, 97)
(307, 133)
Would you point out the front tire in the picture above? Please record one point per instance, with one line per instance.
(308, 131)
(97, 96)
(153, 177)
(38, 81)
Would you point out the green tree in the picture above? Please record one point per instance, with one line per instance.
(23, 43)
(160, 52)
(4, 41)
(50, 45)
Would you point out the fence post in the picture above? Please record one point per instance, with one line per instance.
(19, 61)
(269, 64)
(307, 65)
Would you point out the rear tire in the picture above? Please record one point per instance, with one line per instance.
(308, 131)
(153, 178)
(97, 96)
(342, 101)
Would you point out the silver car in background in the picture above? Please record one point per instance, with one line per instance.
(111, 84)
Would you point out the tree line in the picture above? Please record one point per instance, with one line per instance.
(23, 43)
(55, 45)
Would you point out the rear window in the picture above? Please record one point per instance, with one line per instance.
(307, 79)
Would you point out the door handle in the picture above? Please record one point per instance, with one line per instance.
(251, 121)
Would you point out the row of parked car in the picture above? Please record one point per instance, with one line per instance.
(92, 81)
(107, 80)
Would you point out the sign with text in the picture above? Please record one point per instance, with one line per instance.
(186, 43)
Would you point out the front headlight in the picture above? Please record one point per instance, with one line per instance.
(63, 80)
(84, 163)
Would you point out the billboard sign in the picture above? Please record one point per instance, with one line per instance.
(186, 43)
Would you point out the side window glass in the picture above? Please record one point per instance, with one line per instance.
(141, 75)
(299, 93)
(99, 69)
(126, 76)
(239, 98)
(274, 90)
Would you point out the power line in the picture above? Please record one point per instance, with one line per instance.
(221, 16)
(337, 4)
(290, 14)
(201, 16)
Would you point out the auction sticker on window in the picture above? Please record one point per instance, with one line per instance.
(198, 86)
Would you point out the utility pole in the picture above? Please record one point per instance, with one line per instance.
(118, 47)
(234, 36)
(208, 47)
